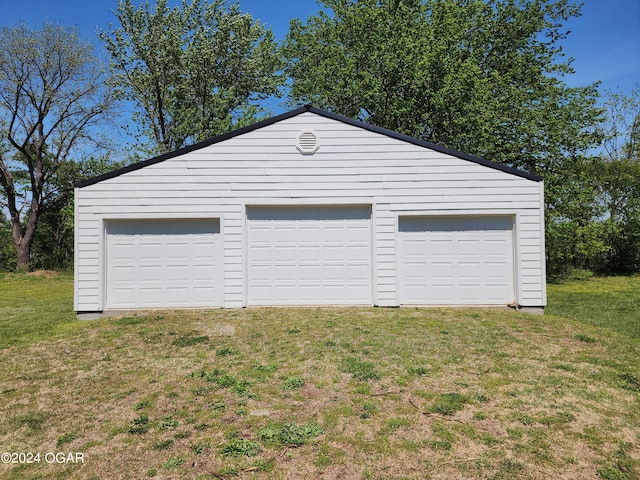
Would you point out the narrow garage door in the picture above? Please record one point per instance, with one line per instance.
(163, 263)
(309, 256)
(456, 260)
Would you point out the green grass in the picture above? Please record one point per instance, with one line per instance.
(609, 302)
(321, 392)
(34, 307)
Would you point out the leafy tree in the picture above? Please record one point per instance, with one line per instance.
(482, 77)
(52, 95)
(193, 71)
(618, 180)
(593, 218)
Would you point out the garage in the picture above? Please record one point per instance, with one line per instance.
(163, 263)
(456, 260)
(309, 208)
(309, 255)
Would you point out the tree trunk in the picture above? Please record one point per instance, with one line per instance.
(24, 256)
(24, 240)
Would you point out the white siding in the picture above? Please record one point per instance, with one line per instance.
(352, 166)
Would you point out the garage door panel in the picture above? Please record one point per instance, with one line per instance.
(456, 260)
(163, 263)
(309, 255)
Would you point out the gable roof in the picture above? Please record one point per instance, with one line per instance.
(317, 111)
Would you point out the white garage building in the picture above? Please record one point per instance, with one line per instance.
(309, 208)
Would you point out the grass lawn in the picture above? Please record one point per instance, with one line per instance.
(349, 393)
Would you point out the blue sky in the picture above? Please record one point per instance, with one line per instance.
(604, 41)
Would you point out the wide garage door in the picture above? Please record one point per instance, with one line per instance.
(309, 255)
(456, 260)
(163, 263)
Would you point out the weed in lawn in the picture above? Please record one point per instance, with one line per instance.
(199, 448)
(292, 383)
(449, 403)
(418, 371)
(225, 352)
(224, 380)
(139, 425)
(167, 423)
(612, 473)
(64, 439)
(368, 410)
(240, 447)
(289, 434)
(173, 462)
(360, 370)
(217, 407)
(162, 444)
(142, 405)
(187, 341)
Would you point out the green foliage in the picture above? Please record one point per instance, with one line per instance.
(142, 405)
(187, 341)
(163, 444)
(167, 423)
(360, 370)
(224, 380)
(139, 425)
(173, 462)
(194, 71)
(593, 205)
(481, 77)
(289, 433)
(449, 403)
(292, 383)
(225, 352)
(64, 439)
(241, 447)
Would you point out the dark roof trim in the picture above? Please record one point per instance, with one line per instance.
(317, 111)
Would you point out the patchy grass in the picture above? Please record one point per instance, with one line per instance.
(319, 392)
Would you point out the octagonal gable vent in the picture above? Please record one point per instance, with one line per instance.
(307, 143)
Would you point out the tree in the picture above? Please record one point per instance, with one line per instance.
(618, 180)
(478, 76)
(52, 95)
(593, 217)
(193, 71)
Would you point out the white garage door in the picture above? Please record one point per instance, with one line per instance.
(309, 255)
(163, 263)
(456, 260)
